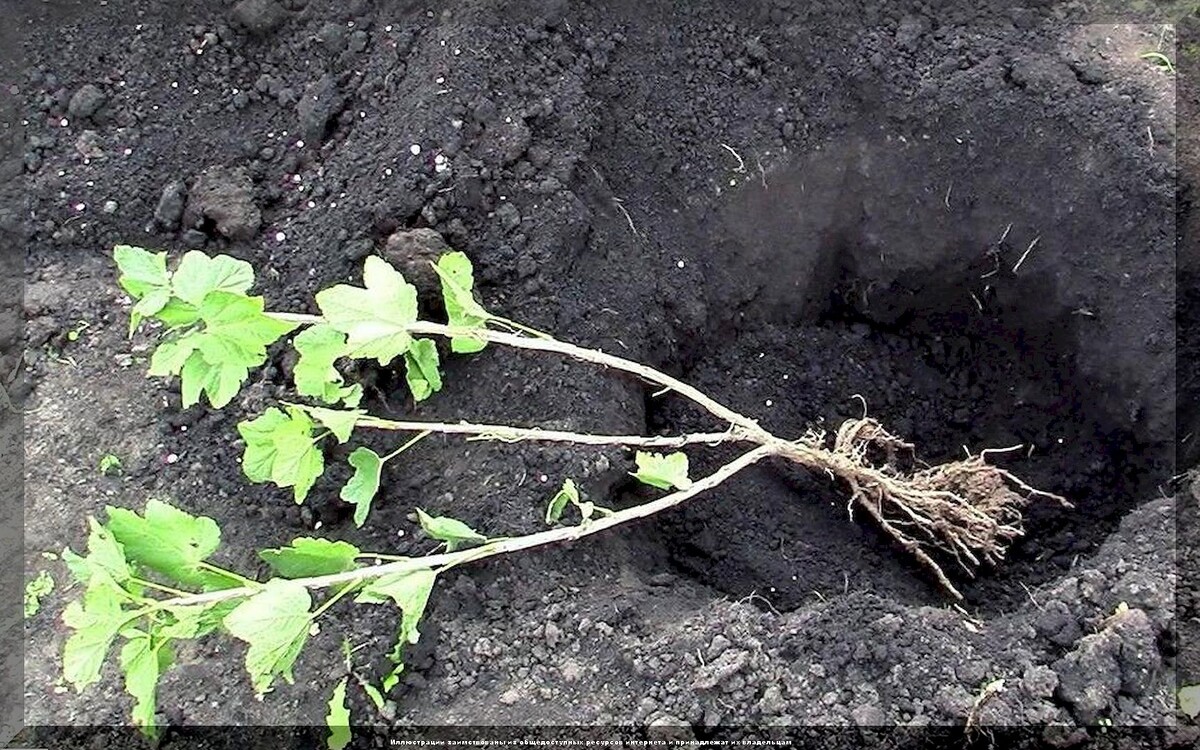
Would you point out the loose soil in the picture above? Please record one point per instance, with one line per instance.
(963, 218)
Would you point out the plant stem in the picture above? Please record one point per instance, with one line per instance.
(543, 342)
(246, 582)
(333, 600)
(751, 427)
(406, 446)
(507, 433)
(300, 318)
(508, 545)
(160, 587)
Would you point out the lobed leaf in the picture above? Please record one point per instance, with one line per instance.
(453, 532)
(338, 718)
(280, 448)
(275, 623)
(664, 472)
(361, 489)
(315, 375)
(168, 541)
(198, 275)
(458, 282)
(105, 559)
(375, 318)
(216, 359)
(421, 369)
(96, 620)
(307, 557)
(144, 277)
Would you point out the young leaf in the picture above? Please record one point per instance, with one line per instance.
(315, 376)
(280, 448)
(167, 540)
(361, 488)
(663, 472)
(339, 422)
(144, 277)
(35, 590)
(375, 319)
(458, 281)
(338, 718)
(143, 660)
(198, 274)
(96, 622)
(453, 532)
(568, 494)
(307, 557)
(421, 369)
(275, 622)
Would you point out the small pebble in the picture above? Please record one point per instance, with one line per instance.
(415, 149)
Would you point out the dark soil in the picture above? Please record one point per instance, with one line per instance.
(966, 217)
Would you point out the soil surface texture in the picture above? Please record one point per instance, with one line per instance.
(961, 216)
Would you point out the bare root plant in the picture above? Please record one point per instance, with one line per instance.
(148, 577)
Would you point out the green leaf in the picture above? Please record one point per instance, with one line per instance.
(410, 591)
(421, 369)
(167, 540)
(191, 621)
(568, 494)
(198, 274)
(360, 490)
(171, 355)
(280, 448)
(374, 694)
(315, 376)
(458, 281)
(216, 359)
(143, 660)
(141, 270)
(106, 558)
(178, 314)
(96, 621)
(198, 620)
(338, 421)
(35, 590)
(338, 718)
(307, 557)
(449, 530)
(144, 277)
(375, 319)
(663, 472)
(1189, 700)
(275, 622)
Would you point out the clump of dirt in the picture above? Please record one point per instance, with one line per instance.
(963, 218)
